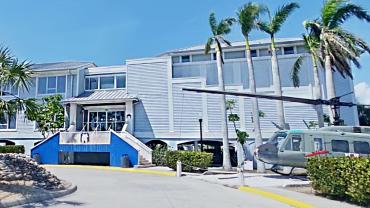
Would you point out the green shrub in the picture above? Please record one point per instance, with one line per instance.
(341, 177)
(188, 158)
(159, 155)
(12, 149)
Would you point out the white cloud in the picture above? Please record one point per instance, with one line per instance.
(362, 91)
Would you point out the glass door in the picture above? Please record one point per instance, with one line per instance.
(104, 121)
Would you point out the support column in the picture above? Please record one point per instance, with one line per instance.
(130, 119)
(72, 117)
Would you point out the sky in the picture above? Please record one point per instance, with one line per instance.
(108, 32)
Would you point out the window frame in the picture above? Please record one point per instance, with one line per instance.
(354, 147)
(106, 75)
(47, 85)
(341, 140)
(8, 124)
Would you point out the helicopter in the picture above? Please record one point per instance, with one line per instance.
(292, 148)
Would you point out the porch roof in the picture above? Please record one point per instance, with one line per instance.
(101, 96)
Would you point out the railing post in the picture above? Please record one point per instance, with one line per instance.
(178, 168)
(241, 176)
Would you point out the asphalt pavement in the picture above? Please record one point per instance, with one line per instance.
(104, 188)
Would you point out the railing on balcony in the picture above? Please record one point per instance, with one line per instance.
(95, 137)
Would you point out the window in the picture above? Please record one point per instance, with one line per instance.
(9, 89)
(301, 49)
(294, 144)
(361, 147)
(51, 85)
(201, 57)
(104, 120)
(175, 59)
(317, 143)
(7, 122)
(264, 52)
(121, 81)
(288, 50)
(254, 53)
(339, 146)
(185, 59)
(106, 82)
(234, 54)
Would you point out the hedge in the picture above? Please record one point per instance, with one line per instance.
(341, 177)
(12, 149)
(159, 155)
(188, 158)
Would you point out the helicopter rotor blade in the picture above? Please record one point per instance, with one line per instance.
(335, 102)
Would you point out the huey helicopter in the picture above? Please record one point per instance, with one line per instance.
(293, 147)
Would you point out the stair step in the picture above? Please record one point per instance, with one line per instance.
(144, 166)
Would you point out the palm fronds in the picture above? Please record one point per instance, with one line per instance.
(248, 16)
(294, 74)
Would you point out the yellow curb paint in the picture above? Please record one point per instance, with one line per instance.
(277, 197)
(127, 170)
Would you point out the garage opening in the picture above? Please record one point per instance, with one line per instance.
(85, 158)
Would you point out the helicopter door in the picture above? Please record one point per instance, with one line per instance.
(292, 152)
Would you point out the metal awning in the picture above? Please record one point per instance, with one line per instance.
(101, 96)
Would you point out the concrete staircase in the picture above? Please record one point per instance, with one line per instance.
(144, 163)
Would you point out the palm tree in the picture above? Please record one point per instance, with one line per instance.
(247, 17)
(15, 74)
(271, 28)
(219, 29)
(312, 45)
(338, 47)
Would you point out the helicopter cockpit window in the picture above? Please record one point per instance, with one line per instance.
(340, 146)
(317, 142)
(294, 144)
(361, 147)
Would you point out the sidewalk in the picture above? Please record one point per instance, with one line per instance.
(273, 183)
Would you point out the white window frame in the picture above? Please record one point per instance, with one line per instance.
(106, 75)
(7, 125)
(56, 85)
(10, 92)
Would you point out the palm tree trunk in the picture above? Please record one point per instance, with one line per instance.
(329, 79)
(317, 91)
(255, 109)
(277, 84)
(225, 140)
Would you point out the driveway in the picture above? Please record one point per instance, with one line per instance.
(105, 188)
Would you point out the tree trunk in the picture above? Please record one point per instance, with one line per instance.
(329, 79)
(225, 140)
(317, 91)
(277, 84)
(255, 108)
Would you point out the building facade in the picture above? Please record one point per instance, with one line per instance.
(146, 94)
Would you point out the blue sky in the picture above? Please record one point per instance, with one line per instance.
(111, 31)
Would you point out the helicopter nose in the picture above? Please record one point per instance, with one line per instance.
(267, 153)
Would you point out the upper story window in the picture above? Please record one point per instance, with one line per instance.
(201, 57)
(234, 54)
(8, 122)
(51, 85)
(185, 59)
(288, 50)
(254, 53)
(9, 89)
(102, 82)
(175, 59)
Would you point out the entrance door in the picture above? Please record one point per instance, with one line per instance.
(106, 120)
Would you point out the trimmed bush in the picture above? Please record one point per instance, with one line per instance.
(188, 158)
(12, 149)
(159, 155)
(341, 177)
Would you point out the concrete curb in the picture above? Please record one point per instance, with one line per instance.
(38, 197)
(127, 170)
